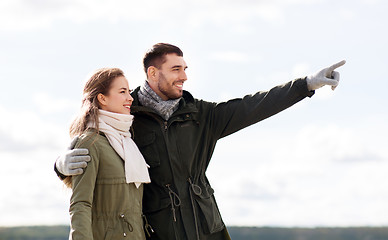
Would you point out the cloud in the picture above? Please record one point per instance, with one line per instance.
(301, 69)
(299, 178)
(29, 15)
(337, 143)
(29, 144)
(17, 15)
(25, 131)
(230, 56)
(31, 189)
(47, 104)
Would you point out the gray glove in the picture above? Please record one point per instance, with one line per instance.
(326, 76)
(72, 161)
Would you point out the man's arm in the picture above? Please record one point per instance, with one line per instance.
(72, 161)
(233, 115)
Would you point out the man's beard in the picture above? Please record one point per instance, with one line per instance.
(169, 93)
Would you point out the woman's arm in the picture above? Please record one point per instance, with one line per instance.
(82, 197)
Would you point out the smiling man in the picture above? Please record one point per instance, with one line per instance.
(167, 79)
(177, 134)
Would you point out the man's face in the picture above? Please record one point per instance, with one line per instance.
(170, 77)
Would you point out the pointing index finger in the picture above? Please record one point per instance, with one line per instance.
(337, 65)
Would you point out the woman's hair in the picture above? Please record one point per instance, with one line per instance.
(99, 82)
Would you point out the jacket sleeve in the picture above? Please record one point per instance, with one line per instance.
(82, 196)
(233, 115)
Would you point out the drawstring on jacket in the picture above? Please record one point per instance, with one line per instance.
(147, 226)
(197, 191)
(175, 200)
(125, 222)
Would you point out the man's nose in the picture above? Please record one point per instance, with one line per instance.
(183, 76)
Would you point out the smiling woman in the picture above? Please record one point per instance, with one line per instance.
(99, 85)
(111, 187)
(118, 99)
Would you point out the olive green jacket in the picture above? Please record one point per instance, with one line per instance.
(103, 205)
(179, 202)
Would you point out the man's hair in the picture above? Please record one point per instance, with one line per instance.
(156, 55)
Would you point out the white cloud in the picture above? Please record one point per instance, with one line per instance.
(16, 15)
(25, 131)
(230, 56)
(49, 105)
(31, 189)
(337, 143)
(30, 15)
(371, 2)
(319, 175)
(301, 69)
(233, 12)
(29, 145)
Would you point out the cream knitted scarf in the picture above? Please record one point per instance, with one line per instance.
(116, 128)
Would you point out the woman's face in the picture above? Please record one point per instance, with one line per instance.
(118, 99)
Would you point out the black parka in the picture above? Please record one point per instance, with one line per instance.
(179, 202)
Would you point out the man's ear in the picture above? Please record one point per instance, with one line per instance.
(101, 99)
(152, 73)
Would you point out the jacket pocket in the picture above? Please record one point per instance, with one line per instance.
(147, 147)
(209, 215)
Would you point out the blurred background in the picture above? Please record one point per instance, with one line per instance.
(323, 162)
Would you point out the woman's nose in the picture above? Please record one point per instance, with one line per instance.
(130, 98)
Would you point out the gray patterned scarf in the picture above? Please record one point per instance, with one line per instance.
(148, 98)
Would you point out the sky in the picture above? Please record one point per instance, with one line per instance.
(322, 162)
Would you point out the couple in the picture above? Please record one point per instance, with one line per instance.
(176, 135)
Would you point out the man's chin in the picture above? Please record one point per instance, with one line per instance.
(176, 96)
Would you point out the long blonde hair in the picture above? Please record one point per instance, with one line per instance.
(99, 82)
